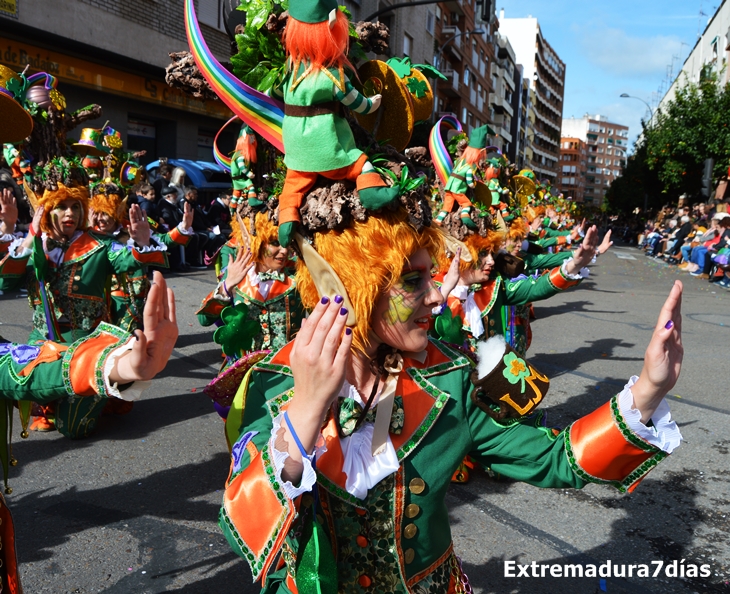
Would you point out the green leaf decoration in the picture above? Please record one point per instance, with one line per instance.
(419, 88)
(402, 66)
(429, 71)
(449, 328)
(238, 330)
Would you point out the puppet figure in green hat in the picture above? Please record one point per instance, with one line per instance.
(241, 166)
(463, 177)
(317, 138)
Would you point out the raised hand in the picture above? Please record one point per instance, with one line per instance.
(238, 269)
(139, 226)
(154, 345)
(585, 252)
(663, 357)
(605, 244)
(188, 214)
(452, 276)
(318, 362)
(8, 212)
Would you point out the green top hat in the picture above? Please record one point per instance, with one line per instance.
(479, 135)
(245, 129)
(312, 11)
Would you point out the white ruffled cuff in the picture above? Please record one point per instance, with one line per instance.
(133, 392)
(184, 231)
(154, 246)
(309, 476)
(664, 435)
(13, 249)
(220, 293)
(582, 273)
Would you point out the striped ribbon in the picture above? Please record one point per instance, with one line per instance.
(264, 114)
(220, 157)
(442, 162)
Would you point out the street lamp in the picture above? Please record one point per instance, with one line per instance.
(437, 60)
(651, 111)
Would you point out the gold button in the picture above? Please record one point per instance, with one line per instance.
(410, 530)
(75, 287)
(412, 510)
(417, 486)
(410, 555)
(77, 278)
(491, 322)
(492, 333)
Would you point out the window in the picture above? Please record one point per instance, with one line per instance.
(466, 77)
(430, 22)
(438, 12)
(210, 12)
(407, 44)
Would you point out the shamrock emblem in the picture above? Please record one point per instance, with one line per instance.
(515, 369)
(238, 330)
(402, 66)
(419, 88)
(448, 327)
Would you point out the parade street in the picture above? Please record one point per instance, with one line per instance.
(134, 508)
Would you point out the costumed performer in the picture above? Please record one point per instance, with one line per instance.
(317, 138)
(70, 266)
(242, 160)
(464, 176)
(321, 467)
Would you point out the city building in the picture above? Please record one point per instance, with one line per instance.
(606, 145)
(709, 55)
(464, 58)
(545, 73)
(573, 161)
(505, 99)
(114, 53)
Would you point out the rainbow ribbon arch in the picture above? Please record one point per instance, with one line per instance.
(442, 162)
(264, 114)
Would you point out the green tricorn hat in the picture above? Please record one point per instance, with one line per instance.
(478, 138)
(245, 130)
(312, 11)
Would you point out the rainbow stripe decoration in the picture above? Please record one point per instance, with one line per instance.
(49, 81)
(441, 158)
(221, 158)
(264, 114)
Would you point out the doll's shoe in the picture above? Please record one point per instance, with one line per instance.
(42, 424)
(468, 223)
(286, 230)
(375, 198)
(255, 202)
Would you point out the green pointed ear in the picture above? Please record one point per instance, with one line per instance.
(324, 276)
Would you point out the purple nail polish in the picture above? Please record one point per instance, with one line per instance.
(338, 299)
(343, 311)
(669, 325)
(348, 331)
(325, 300)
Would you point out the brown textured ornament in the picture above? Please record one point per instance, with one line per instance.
(393, 121)
(422, 106)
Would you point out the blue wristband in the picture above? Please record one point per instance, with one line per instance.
(294, 435)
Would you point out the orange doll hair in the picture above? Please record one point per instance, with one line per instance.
(247, 149)
(317, 44)
(375, 270)
(266, 232)
(52, 198)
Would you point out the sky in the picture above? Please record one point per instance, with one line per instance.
(612, 47)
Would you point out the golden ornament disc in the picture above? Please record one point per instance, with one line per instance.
(482, 194)
(393, 121)
(58, 100)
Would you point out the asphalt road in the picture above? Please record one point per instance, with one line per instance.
(134, 508)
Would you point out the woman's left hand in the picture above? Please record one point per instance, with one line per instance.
(663, 357)
(139, 226)
(605, 244)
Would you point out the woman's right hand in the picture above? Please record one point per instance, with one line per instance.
(238, 269)
(318, 362)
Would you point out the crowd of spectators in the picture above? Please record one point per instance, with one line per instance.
(165, 200)
(696, 239)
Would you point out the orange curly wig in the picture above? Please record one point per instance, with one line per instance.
(52, 198)
(382, 244)
(476, 244)
(111, 204)
(266, 232)
(246, 148)
(317, 44)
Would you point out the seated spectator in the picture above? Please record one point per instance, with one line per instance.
(165, 173)
(702, 257)
(146, 201)
(219, 213)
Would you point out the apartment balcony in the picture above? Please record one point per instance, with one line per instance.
(449, 87)
(456, 6)
(500, 105)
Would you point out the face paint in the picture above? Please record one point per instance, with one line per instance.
(65, 218)
(408, 294)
